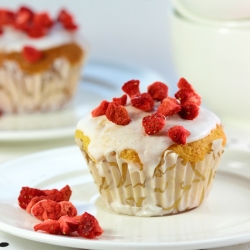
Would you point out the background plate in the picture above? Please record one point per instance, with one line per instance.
(223, 219)
(102, 79)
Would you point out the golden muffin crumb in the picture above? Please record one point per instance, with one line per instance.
(196, 151)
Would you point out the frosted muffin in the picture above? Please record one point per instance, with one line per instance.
(151, 154)
(40, 60)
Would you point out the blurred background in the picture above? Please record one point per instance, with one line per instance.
(129, 30)
(175, 38)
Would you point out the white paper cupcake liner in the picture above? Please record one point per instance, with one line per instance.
(46, 91)
(173, 186)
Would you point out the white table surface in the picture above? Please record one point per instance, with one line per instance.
(12, 150)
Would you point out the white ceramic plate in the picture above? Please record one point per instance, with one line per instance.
(102, 79)
(223, 219)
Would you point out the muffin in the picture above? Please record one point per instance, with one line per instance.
(151, 154)
(40, 60)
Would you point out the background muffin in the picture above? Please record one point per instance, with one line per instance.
(40, 60)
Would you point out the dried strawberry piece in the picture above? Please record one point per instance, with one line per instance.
(59, 195)
(121, 100)
(26, 194)
(68, 224)
(36, 31)
(25, 10)
(131, 88)
(42, 19)
(89, 226)
(67, 208)
(6, 17)
(143, 102)
(46, 209)
(65, 17)
(36, 199)
(53, 194)
(158, 91)
(195, 98)
(23, 18)
(187, 95)
(31, 54)
(49, 226)
(169, 106)
(178, 134)
(189, 110)
(66, 193)
(70, 26)
(101, 109)
(67, 20)
(184, 84)
(1, 32)
(117, 114)
(153, 123)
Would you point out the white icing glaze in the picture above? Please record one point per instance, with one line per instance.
(13, 41)
(106, 136)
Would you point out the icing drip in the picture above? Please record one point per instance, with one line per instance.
(106, 136)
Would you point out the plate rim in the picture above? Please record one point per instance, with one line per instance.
(93, 244)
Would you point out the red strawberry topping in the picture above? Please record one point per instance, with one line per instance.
(186, 105)
(117, 114)
(153, 123)
(67, 20)
(187, 93)
(31, 54)
(36, 31)
(131, 88)
(169, 107)
(158, 91)
(67, 208)
(89, 226)
(184, 84)
(36, 199)
(121, 100)
(42, 19)
(49, 226)
(46, 209)
(70, 26)
(29, 196)
(6, 17)
(143, 102)
(26, 194)
(65, 17)
(62, 195)
(23, 18)
(66, 193)
(58, 218)
(86, 225)
(68, 224)
(189, 110)
(35, 25)
(178, 134)
(101, 109)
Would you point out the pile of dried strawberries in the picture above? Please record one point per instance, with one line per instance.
(186, 104)
(34, 25)
(57, 213)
